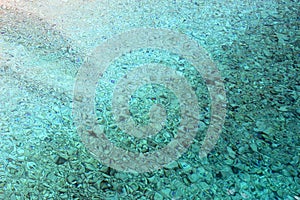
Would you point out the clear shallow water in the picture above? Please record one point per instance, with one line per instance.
(255, 46)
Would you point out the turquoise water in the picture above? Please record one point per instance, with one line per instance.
(51, 149)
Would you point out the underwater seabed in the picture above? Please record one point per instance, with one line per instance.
(254, 44)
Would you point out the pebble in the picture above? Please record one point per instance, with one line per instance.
(71, 179)
(226, 171)
(166, 191)
(231, 152)
(30, 165)
(185, 166)
(20, 151)
(202, 126)
(172, 165)
(158, 196)
(245, 177)
(228, 161)
(90, 166)
(92, 189)
(260, 126)
(60, 160)
(253, 147)
(203, 186)
(283, 108)
(243, 148)
(194, 177)
(298, 111)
